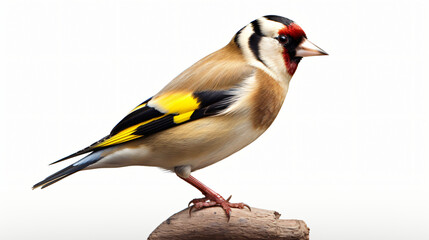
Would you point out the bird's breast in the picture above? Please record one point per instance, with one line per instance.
(266, 100)
(261, 97)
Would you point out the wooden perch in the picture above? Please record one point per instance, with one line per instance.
(211, 223)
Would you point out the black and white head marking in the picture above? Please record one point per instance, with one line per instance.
(262, 46)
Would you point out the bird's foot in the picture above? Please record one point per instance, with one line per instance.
(211, 198)
(215, 200)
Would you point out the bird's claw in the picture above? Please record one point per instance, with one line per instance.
(206, 202)
(197, 200)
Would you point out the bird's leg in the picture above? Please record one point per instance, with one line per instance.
(211, 198)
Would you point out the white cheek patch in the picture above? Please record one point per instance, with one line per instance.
(271, 52)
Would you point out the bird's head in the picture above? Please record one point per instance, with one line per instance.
(276, 44)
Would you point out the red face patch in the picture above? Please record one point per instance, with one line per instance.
(295, 32)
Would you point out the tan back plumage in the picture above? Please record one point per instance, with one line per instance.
(220, 70)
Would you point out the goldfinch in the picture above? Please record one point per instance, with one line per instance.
(216, 107)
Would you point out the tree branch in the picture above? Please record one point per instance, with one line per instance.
(211, 223)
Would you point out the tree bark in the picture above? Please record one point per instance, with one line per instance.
(212, 223)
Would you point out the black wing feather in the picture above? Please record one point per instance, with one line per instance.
(210, 103)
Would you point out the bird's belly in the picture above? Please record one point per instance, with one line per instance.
(198, 144)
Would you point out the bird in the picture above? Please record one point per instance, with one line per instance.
(211, 110)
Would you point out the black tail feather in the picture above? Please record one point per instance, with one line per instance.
(79, 165)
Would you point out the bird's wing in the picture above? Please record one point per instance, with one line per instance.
(162, 112)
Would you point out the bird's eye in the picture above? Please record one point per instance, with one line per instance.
(282, 39)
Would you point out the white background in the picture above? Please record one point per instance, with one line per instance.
(348, 153)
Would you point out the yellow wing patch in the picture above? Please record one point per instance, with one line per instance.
(178, 102)
(124, 135)
(182, 117)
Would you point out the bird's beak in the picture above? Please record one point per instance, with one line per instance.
(307, 48)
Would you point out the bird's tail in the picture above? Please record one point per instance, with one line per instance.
(75, 167)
